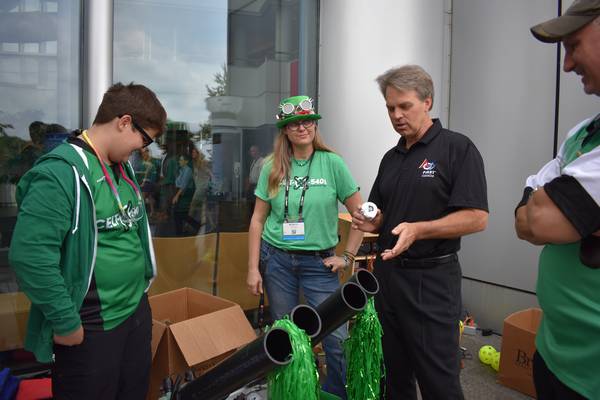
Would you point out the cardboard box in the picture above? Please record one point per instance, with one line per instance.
(14, 312)
(518, 347)
(193, 330)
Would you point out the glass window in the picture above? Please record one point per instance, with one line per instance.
(220, 69)
(39, 103)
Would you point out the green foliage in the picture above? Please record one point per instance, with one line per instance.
(205, 131)
(10, 151)
(3, 128)
(221, 87)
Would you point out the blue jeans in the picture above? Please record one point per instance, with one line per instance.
(284, 275)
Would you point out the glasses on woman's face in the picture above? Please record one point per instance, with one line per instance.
(307, 123)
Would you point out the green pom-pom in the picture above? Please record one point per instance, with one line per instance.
(299, 379)
(364, 356)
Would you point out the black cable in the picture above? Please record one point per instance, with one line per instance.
(557, 91)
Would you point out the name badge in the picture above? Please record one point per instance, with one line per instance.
(293, 231)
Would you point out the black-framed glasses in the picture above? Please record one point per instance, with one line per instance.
(147, 139)
(307, 123)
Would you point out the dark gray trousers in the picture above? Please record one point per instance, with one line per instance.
(419, 309)
(108, 365)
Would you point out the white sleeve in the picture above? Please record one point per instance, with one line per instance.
(552, 169)
(586, 170)
(548, 172)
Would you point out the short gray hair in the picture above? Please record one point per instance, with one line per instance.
(407, 77)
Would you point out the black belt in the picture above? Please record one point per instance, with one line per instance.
(427, 262)
(319, 253)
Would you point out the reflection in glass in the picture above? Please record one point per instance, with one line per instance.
(39, 98)
(220, 68)
(39, 103)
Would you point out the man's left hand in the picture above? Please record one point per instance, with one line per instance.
(407, 234)
(72, 339)
(337, 264)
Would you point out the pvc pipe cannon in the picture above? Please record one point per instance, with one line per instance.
(338, 308)
(366, 280)
(251, 362)
(306, 318)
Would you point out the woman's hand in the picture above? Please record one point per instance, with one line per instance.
(175, 199)
(254, 282)
(72, 339)
(336, 263)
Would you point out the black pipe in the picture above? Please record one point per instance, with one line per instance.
(367, 281)
(338, 308)
(251, 362)
(306, 318)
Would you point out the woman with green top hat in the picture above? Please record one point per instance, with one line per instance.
(294, 227)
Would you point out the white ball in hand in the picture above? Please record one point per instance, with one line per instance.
(369, 210)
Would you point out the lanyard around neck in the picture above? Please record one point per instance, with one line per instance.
(287, 193)
(87, 139)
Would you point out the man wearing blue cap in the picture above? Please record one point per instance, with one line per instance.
(561, 210)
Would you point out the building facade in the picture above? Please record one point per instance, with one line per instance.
(220, 69)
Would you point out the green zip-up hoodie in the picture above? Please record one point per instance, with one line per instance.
(53, 248)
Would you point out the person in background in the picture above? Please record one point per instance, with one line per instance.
(560, 210)
(184, 186)
(82, 253)
(253, 175)
(168, 174)
(37, 132)
(430, 191)
(147, 176)
(33, 150)
(202, 177)
(294, 227)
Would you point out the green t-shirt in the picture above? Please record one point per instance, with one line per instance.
(169, 170)
(329, 180)
(568, 337)
(120, 262)
(576, 145)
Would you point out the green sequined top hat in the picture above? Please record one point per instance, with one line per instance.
(295, 108)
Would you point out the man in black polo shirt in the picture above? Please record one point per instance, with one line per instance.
(430, 190)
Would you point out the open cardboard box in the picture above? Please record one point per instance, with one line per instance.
(14, 312)
(518, 347)
(193, 330)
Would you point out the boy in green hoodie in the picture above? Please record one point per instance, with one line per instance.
(82, 253)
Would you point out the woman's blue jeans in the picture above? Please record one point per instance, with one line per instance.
(284, 275)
